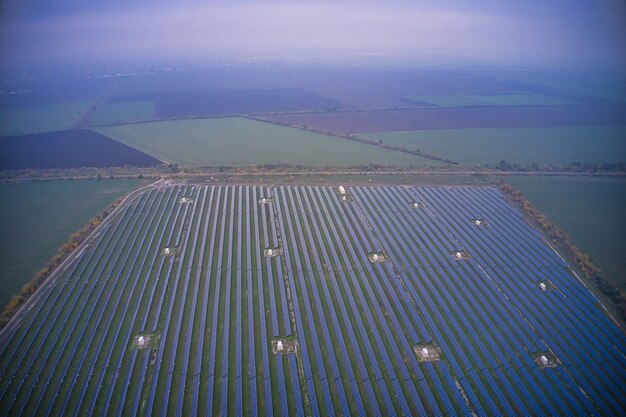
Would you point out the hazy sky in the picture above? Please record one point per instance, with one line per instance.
(565, 33)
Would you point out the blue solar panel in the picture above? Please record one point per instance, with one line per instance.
(295, 379)
(282, 391)
(358, 323)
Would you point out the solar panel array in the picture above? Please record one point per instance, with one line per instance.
(214, 305)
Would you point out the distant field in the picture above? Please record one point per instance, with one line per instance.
(27, 91)
(598, 85)
(370, 88)
(39, 217)
(239, 141)
(458, 118)
(40, 118)
(181, 104)
(68, 149)
(549, 145)
(492, 100)
(359, 87)
(591, 211)
(123, 112)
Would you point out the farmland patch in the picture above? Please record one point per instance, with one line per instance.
(359, 87)
(40, 118)
(123, 112)
(241, 142)
(549, 145)
(606, 86)
(169, 105)
(484, 100)
(39, 217)
(457, 118)
(368, 88)
(68, 149)
(33, 91)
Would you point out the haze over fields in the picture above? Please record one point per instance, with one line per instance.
(244, 207)
(534, 33)
(488, 83)
(433, 82)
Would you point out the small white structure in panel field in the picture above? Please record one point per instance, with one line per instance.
(265, 200)
(478, 222)
(284, 346)
(272, 252)
(185, 200)
(342, 194)
(418, 205)
(144, 341)
(459, 255)
(545, 285)
(170, 251)
(376, 257)
(545, 359)
(426, 353)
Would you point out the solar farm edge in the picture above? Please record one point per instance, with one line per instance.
(485, 313)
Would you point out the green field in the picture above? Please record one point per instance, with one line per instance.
(599, 85)
(239, 142)
(470, 100)
(40, 118)
(115, 113)
(553, 145)
(38, 217)
(591, 211)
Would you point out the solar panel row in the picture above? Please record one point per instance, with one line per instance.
(213, 307)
